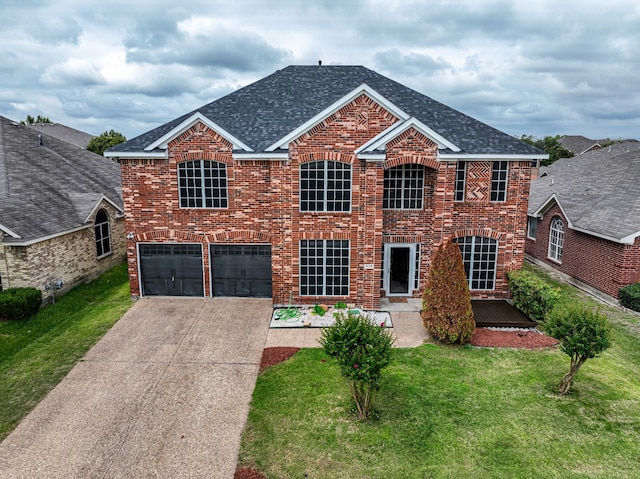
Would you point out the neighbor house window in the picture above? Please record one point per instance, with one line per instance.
(499, 180)
(461, 180)
(325, 186)
(103, 239)
(202, 184)
(403, 187)
(324, 267)
(556, 239)
(532, 227)
(479, 255)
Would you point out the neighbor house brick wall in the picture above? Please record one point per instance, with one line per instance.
(70, 257)
(600, 263)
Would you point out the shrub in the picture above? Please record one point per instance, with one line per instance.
(19, 303)
(582, 333)
(446, 302)
(630, 296)
(362, 349)
(531, 295)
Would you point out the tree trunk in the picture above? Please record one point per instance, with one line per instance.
(566, 381)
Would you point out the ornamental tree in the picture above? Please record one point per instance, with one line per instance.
(105, 141)
(583, 334)
(362, 349)
(446, 302)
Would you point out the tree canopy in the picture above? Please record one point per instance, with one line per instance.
(105, 140)
(551, 145)
(32, 121)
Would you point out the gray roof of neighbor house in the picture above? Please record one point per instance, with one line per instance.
(64, 133)
(598, 191)
(577, 144)
(262, 113)
(49, 186)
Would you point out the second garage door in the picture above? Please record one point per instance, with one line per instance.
(241, 270)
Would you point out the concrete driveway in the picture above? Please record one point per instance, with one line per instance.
(165, 393)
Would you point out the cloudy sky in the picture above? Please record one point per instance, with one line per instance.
(526, 67)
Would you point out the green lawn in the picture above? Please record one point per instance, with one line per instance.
(454, 412)
(35, 354)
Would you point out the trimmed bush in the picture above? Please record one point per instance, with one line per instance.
(630, 296)
(531, 295)
(362, 349)
(19, 303)
(446, 302)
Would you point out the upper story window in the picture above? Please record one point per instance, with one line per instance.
(202, 184)
(532, 227)
(325, 186)
(479, 255)
(403, 187)
(461, 180)
(103, 236)
(556, 239)
(499, 180)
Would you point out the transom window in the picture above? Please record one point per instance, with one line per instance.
(324, 267)
(403, 187)
(202, 184)
(325, 186)
(479, 255)
(556, 239)
(461, 180)
(499, 180)
(101, 228)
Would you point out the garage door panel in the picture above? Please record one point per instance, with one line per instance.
(171, 270)
(241, 270)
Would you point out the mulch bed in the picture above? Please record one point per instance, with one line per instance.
(522, 339)
(247, 473)
(271, 356)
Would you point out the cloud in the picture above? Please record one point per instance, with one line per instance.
(74, 71)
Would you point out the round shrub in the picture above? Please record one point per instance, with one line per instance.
(20, 303)
(630, 296)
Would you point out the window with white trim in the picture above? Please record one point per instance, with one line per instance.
(532, 227)
(556, 239)
(499, 180)
(103, 236)
(461, 180)
(479, 255)
(202, 184)
(325, 186)
(324, 267)
(403, 187)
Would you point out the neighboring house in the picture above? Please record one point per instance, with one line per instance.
(64, 133)
(61, 211)
(321, 184)
(577, 144)
(584, 217)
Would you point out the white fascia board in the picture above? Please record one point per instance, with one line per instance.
(488, 157)
(164, 140)
(348, 98)
(97, 206)
(261, 156)
(372, 157)
(9, 232)
(142, 155)
(45, 238)
(631, 239)
(380, 141)
(539, 213)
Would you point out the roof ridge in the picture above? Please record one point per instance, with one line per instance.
(4, 175)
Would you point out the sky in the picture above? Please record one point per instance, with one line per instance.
(525, 67)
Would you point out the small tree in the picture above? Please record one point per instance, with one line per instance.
(362, 349)
(105, 141)
(582, 333)
(446, 302)
(34, 121)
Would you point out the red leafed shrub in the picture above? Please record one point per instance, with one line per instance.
(446, 302)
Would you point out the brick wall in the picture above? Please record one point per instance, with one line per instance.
(264, 204)
(602, 264)
(70, 257)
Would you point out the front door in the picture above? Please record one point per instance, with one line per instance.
(400, 268)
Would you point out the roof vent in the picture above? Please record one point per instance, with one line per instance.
(319, 63)
(40, 139)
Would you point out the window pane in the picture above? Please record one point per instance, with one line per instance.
(203, 184)
(403, 187)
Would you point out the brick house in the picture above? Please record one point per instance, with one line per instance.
(321, 184)
(584, 217)
(61, 211)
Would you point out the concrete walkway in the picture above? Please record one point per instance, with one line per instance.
(164, 394)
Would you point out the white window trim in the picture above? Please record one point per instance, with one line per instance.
(324, 271)
(181, 167)
(506, 182)
(102, 238)
(556, 240)
(404, 191)
(325, 189)
(531, 219)
(464, 181)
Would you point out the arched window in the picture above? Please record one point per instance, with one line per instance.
(479, 255)
(325, 186)
(403, 187)
(202, 184)
(103, 240)
(556, 239)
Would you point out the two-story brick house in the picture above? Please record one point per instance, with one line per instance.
(321, 184)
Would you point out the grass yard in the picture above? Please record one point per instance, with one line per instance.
(455, 412)
(35, 354)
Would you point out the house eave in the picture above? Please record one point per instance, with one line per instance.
(261, 156)
(489, 156)
(141, 155)
(48, 237)
(9, 232)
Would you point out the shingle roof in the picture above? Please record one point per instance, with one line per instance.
(577, 144)
(262, 113)
(64, 133)
(49, 188)
(598, 191)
